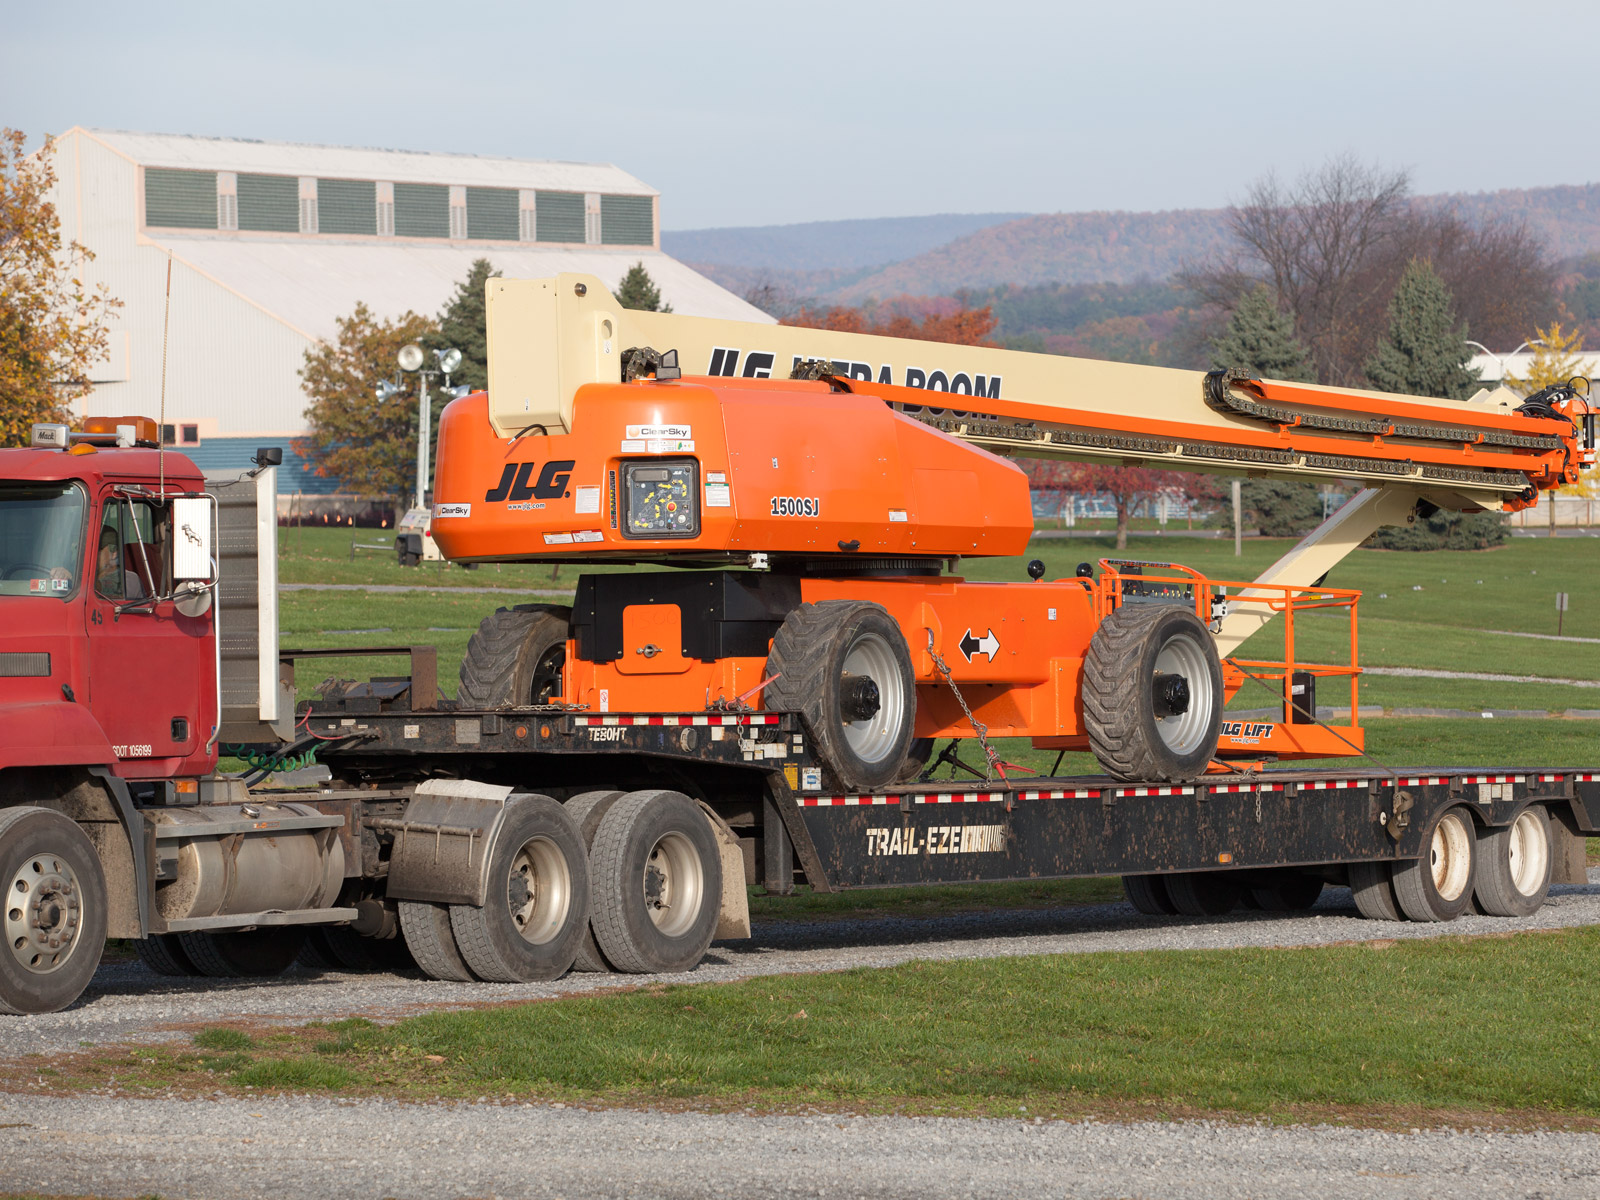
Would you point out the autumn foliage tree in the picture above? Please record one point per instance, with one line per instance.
(52, 320)
(1556, 359)
(928, 320)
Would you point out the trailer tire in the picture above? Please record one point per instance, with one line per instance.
(1203, 893)
(586, 810)
(163, 954)
(432, 943)
(340, 948)
(1123, 703)
(1438, 885)
(244, 953)
(516, 657)
(54, 890)
(536, 906)
(1289, 895)
(1372, 888)
(1514, 865)
(657, 883)
(1148, 894)
(844, 666)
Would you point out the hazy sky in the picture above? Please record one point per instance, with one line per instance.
(753, 114)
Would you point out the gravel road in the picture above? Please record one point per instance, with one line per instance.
(302, 1146)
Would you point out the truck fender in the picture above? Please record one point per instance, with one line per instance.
(56, 734)
(733, 919)
(444, 840)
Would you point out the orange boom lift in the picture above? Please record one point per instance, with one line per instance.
(827, 486)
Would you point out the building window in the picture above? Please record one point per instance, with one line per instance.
(421, 210)
(191, 435)
(527, 215)
(269, 203)
(627, 221)
(492, 214)
(180, 199)
(227, 200)
(591, 218)
(458, 213)
(308, 205)
(347, 206)
(169, 435)
(560, 217)
(385, 207)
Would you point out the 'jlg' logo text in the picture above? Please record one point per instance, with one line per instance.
(551, 484)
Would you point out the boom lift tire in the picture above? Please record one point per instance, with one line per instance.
(1514, 865)
(657, 886)
(1203, 893)
(586, 810)
(516, 657)
(248, 953)
(432, 942)
(54, 914)
(1438, 885)
(844, 666)
(1148, 894)
(163, 954)
(1372, 888)
(536, 906)
(1152, 693)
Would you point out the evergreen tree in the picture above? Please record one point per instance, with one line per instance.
(463, 324)
(637, 290)
(1425, 353)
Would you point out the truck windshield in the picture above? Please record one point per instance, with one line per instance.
(41, 539)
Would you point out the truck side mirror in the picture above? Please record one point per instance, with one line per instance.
(268, 456)
(191, 538)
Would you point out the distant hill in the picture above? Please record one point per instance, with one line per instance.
(826, 245)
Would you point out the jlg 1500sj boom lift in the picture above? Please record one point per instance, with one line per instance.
(610, 776)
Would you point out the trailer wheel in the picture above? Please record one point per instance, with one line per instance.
(1290, 895)
(1203, 893)
(1152, 693)
(1372, 888)
(1438, 885)
(54, 913)
(1514, 865)
(163, 954)
(586, 810)
(1148, 894)
(537, 904)
(516, 657)
(340, 948)
(657, 883)
(843, 665)
(248, 953)
(431, 941)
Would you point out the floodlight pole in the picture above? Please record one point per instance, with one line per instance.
(424, 427)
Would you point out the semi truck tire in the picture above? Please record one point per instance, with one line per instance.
(1152, 694)
(432, 942)
(1372, 888)
(843, 665)
(340, 948)
(586, 810)
(1438, 885)
(1203, 893)
(163, 954)
(1148, 894)
(657, 883)
(516, 657)
(1514, 865)
(536, 905)
(1288, 895)
(248, 953)
(55, 910)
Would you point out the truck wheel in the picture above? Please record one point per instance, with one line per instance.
(537, 903)
(586, 811)
(1372, 888)
(1438, 886)
(251, 953)
(431, 941)
(54, 914)
(657, 883)
(1203, 893)
(1291, 895)
(1152, 693)
(163, 954)
(1514, 865)
(1148, 894)
(843, 665)
(340, 948)
(516, 657)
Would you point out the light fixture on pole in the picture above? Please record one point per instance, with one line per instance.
(411, 359)
(1501, 359)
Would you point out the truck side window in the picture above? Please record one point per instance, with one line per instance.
(132, 551)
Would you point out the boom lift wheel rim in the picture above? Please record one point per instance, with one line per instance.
(876, 736)
(1183, 732)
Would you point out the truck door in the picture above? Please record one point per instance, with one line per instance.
(151, 674)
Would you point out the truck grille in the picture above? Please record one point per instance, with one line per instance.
(17, 665)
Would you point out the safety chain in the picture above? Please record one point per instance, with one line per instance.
(991, 759)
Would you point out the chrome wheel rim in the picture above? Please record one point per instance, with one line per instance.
(674, 884)
(43, 913)
(539, 890)
(1528, 852)
(1186, 732)
(1450, 856)
(875, 738)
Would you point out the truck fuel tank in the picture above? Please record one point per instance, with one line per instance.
(226, 859)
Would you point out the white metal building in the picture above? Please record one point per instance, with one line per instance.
(270, 243)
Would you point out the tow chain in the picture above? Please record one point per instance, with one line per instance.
(992, 761)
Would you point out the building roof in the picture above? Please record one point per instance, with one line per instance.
(353, 162)
(309, 283)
